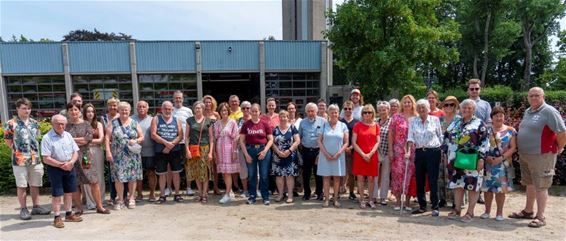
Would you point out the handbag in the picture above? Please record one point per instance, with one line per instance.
(466, 161)
(195, 149)
(134, 148)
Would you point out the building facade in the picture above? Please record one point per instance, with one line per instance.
(47, 73)
(305, 19)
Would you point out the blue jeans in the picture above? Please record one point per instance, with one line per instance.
(253, 151)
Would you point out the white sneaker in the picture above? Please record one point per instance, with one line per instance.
(232, 195)
(190, 192)
(499, 218)
(484, 216)
(225, 199)
(167, 192)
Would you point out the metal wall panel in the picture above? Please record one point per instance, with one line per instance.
(292, 55)
(230, 56)
(165, 56)
(99, 57)
(30, 58)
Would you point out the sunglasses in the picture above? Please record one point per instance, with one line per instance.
(367, 112)
(347, 108)
(449, 105)
(474, 89)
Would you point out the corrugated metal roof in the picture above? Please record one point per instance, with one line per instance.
(94, 57)
(165, 56)
(37, 57)
(292, 55)
(230, 55)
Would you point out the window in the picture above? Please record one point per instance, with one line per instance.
(300, 88)
(46, 93)
(96, 89)
(156, 88)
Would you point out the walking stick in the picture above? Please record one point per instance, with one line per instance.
(404, 195)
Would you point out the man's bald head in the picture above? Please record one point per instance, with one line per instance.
(536, 97)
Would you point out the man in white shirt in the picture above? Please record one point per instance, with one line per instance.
(182, 113)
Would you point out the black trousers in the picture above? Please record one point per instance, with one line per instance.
(309, 157)
(427, 163)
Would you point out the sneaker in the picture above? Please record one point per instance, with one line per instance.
(73, 218)
(408, 209)
(167, 192)
(499, 218)
(58, 222)
(24, 214)
(39, 210)
(225, 199)
(397, 208)
(118, 206)
(418, 211)
(371, 204)
(250, 201)
(352, 196)
(435, 213)
(266, 202)
(190, 192)
(245, 194)
(232, 195)
(485, 216)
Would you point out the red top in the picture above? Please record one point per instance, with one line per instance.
(256, 133)
(366, 140)
(273, 120)
(438, 113)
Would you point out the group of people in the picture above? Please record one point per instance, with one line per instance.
(406, 148)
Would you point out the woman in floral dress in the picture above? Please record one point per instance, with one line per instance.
(498, 172)
(468, 135)
(284, 165)
(226, 135)
(125, 165)
(398, 129)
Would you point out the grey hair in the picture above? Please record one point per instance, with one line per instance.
(393, 101)
(383, 104)
(58, 116)
(311, 105)
(425, 103)
(166, 103)
(246, 103)
(197, 103)
(468, 102)
(333, 107)
(124, 104)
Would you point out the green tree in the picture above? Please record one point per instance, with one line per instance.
(391, 45)
(555, 77)
(539, 19)
(95, 35)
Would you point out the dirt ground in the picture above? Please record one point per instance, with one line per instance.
(298, 221)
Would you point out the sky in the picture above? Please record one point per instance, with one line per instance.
(147, 20)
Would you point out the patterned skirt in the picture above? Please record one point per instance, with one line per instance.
(198, 169)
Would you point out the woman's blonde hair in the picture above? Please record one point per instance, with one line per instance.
(414, 105)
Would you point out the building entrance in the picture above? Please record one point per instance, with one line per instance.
(221, 86)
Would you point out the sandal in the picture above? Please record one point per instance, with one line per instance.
(537, 222)
(362, 204)
(467, 218)
(204, 199)
(132, 204)
(454, 215)
(279, 199)
(522, 215)
(289, 200)
(161, 200)
(178, 198)
(151, 199)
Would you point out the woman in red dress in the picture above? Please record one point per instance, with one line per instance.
(365, 140)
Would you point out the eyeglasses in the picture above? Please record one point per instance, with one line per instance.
(347, 108)
(474, 89)
(367, 112)
(245, 108)
(449, 105)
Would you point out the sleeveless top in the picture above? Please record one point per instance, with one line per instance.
(167, 132)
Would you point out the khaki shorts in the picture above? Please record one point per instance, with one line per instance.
(537, 170)
(32, 175)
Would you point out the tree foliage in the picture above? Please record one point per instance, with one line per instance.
(385, 45)
(95, 35)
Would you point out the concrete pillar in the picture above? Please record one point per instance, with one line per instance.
(198, 62)
(262, 75)
(134, 73)
(323, 70)
(4, 111)
(67, 72)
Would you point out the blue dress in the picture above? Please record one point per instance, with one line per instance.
(332, 139)
(285, 167)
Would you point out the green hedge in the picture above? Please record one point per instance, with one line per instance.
(504, 94)
(7, 181)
